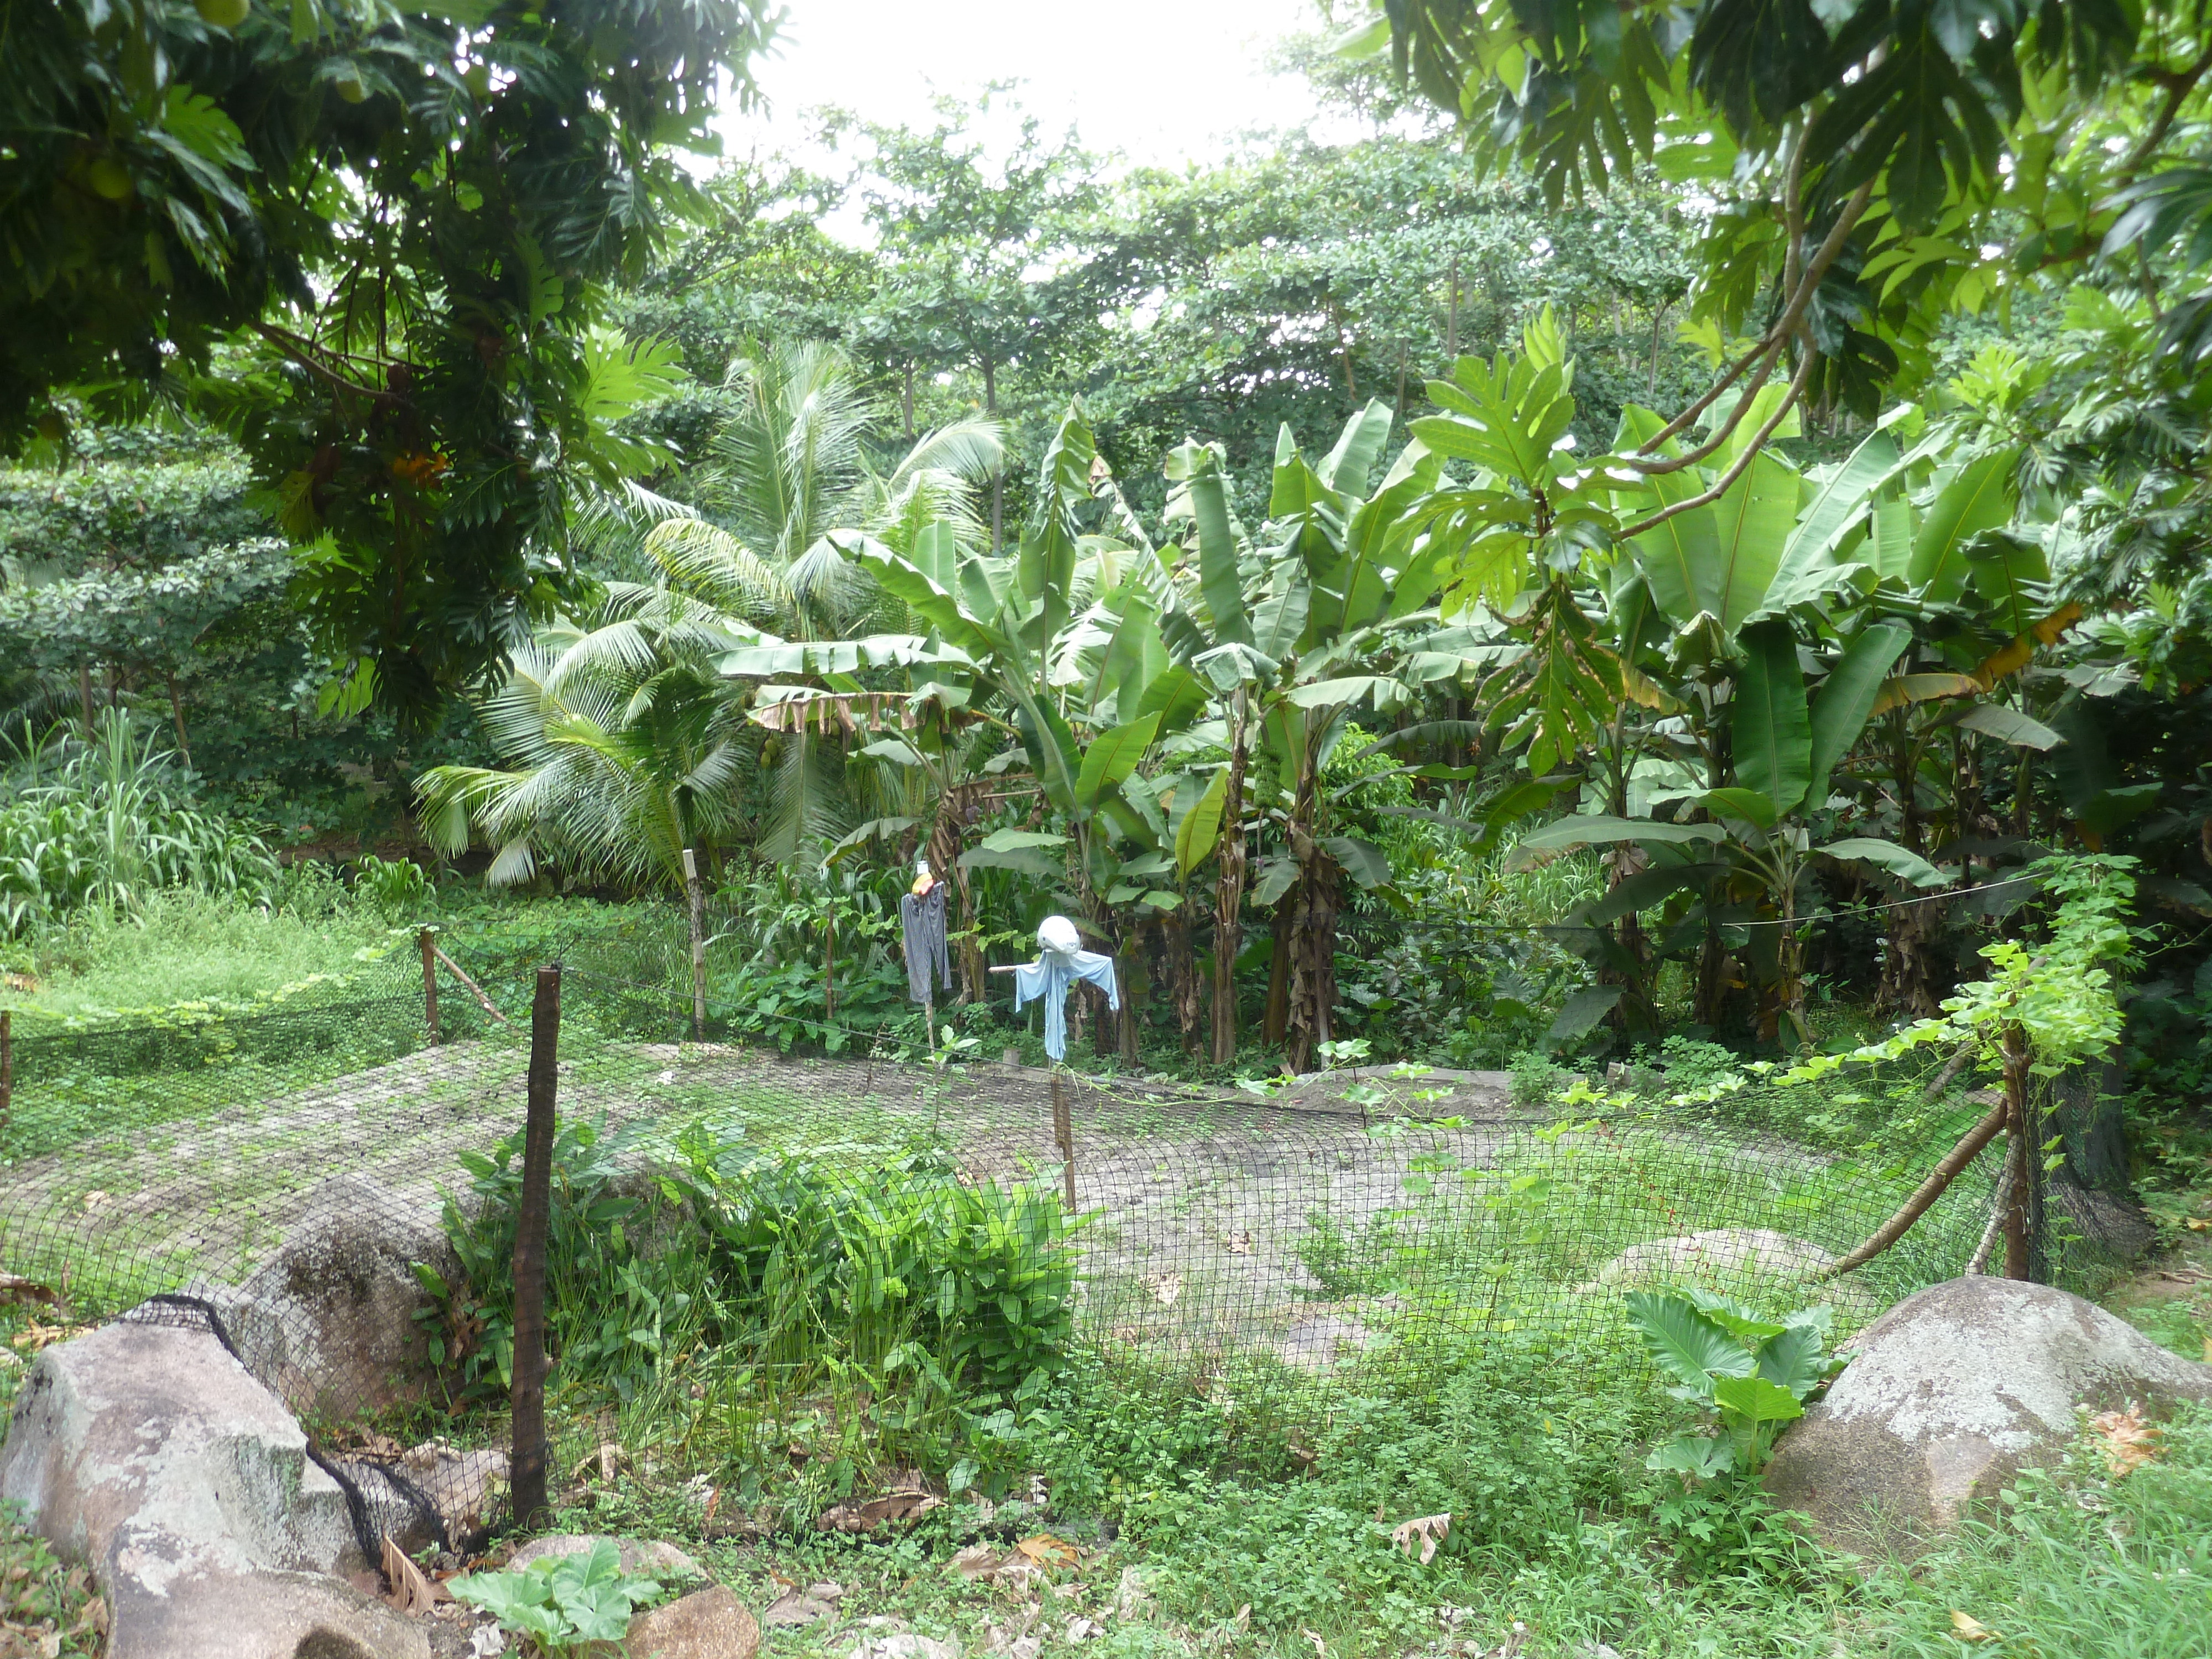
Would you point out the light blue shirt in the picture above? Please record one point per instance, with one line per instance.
(1050, 976)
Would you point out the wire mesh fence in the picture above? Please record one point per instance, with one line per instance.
(334, 1195)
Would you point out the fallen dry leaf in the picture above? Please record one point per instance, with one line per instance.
(35, 1336)
(1240, 1243)
(411, 1592)
(1967, 1628)
(901, 1506)
(2128, 1442)
(977, 1561)
(1429, 1530)
(1047, 1550)
(1166, 1287)
(94, 1198)
(14, 1288)
(1320, 1646)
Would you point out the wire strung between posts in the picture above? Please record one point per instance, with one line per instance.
(1400, 923)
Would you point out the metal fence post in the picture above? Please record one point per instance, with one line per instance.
(429, 981)
(529, 1396)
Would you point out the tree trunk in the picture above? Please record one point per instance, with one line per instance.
(1451, 319)
(1182, 977)
(84, 695)
(177, 714)
(1312, 994)
(1276, 1022)
(1228, 892)
(2023, 1156)
(999, 476)
(906, 400)
(944, 838)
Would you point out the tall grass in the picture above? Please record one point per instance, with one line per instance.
(105, 824)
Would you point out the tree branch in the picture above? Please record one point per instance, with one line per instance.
(1771, 344)
(1751, 450)
(1938, 1182)
(2178, 84)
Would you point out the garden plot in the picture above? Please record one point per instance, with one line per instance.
(1307, 1223)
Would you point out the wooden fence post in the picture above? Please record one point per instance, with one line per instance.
(2023, 1160)
(7, 1070)
(1063, 1130)
(698, 898)
(430, 982)
(529, 1396)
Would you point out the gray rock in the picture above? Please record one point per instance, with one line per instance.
(1725, 1254)
(639, 1560)
(328, 1322)
(710, 1624)
(146, 1452)
(1952, 1392)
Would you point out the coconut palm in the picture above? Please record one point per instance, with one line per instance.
(789, 493)
(623, 746)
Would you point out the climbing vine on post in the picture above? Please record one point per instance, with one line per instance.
(2042, 1008)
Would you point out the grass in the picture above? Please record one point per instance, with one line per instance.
(188, 947)
(1238, 1536)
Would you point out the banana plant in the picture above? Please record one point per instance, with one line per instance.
(1340, 622)
(1016, 618)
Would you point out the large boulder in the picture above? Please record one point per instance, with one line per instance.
(147, 1453)
(329, 1321)
(1952, 1392)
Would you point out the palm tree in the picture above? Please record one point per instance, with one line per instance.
(622, 746)
(624, 743)
(788, 495)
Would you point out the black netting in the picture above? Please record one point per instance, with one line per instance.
(331, 1192)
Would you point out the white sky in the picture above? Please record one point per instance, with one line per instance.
(1160, 81)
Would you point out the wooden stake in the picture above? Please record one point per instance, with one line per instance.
(1063, 1129)
(7, 1069)
(531, 1511)
(1925, 1194)
(429, 983)
(698, 899)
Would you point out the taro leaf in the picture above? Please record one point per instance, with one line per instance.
(1794, 1359)
(1732, 1315)
(1686, 1345)
(1756, 1398)
(1695, 1456)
